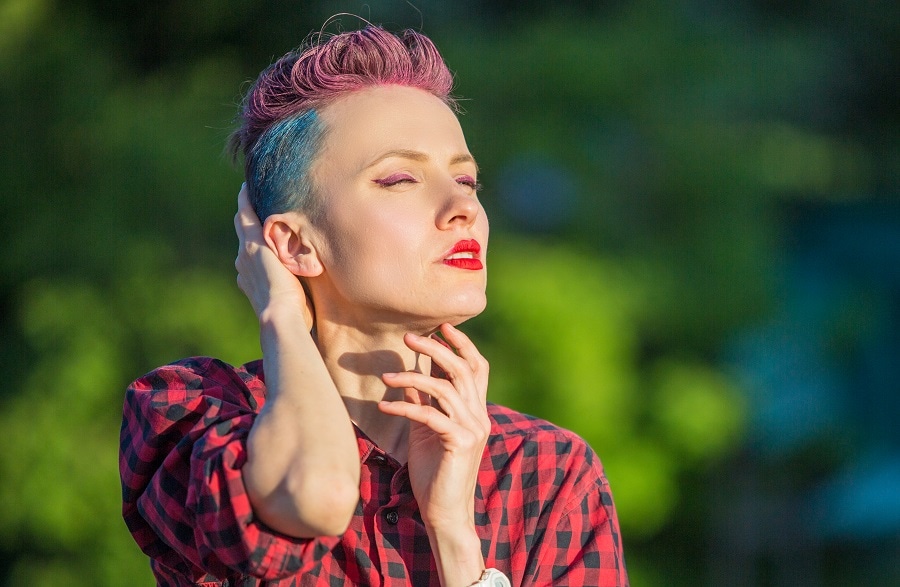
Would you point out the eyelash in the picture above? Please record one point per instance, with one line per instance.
(398, 179)
(393, 180)
(468, 181)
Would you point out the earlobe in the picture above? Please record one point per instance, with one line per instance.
(288, 236)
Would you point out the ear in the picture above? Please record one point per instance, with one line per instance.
(291, 237)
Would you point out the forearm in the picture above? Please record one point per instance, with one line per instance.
(302, 471)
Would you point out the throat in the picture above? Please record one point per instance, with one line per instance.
(389, 433)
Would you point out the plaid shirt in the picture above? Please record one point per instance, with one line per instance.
(543, 508)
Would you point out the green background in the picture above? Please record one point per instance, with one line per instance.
(694, 258)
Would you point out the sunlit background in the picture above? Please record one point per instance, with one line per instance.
(695, 261)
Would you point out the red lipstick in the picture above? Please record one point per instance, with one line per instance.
(464, 255)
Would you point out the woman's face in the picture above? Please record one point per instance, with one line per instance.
(403, 237)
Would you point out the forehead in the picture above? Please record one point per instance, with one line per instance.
(366, 123)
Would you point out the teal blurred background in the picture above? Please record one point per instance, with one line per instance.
(695, 260)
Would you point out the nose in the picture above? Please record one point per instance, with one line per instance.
(460, 208)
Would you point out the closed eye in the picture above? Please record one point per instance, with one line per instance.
(395, 179)
(469, 181)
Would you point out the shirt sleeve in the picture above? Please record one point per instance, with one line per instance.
(183, 443)
(581, 542)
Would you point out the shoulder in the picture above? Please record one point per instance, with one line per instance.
(524, 442)
(175, 405)
(198, 373)
(192, 394)
(191, 379)
(512, 427)
(544, 469)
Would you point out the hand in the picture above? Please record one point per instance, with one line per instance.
(449, 427)
(261, 276)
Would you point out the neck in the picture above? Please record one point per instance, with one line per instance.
(356, 360)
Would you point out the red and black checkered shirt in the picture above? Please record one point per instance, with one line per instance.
(543, 508)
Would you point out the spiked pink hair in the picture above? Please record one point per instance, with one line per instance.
(313, 76)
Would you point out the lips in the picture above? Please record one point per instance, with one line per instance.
(464, 255)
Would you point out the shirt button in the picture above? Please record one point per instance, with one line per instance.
(378, 459)
(392, 517)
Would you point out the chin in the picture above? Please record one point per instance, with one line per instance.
(468, 310)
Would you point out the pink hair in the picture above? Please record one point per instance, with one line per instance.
(311, 77)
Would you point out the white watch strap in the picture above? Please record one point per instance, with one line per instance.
(492, 578)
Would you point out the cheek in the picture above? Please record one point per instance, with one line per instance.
(482, 228)
(386, 236)
(395, 224)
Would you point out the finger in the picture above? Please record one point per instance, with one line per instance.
(467, 350)
(437, 337)
(246, 218)
(239, 230)
(436, 370)
(244, 196)
(469, 365)
(451, 433)
(463, 345)
(414, 396)
(238, 226)
(424, 390)
(242, 221)
(447, 365)
(439, 351)
(428, 416)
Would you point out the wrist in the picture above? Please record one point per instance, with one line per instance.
(458, 556)
(281, 309)
(492, 578)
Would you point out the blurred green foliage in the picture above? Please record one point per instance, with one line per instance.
(685, 127)
(561, 331)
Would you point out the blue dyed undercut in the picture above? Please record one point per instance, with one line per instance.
(278, 165)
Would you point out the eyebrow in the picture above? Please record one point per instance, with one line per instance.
(421, 157)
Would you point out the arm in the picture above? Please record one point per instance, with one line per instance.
(448, 430)
(183, 446)
(302, 469)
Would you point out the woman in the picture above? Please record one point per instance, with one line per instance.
(360, 450)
